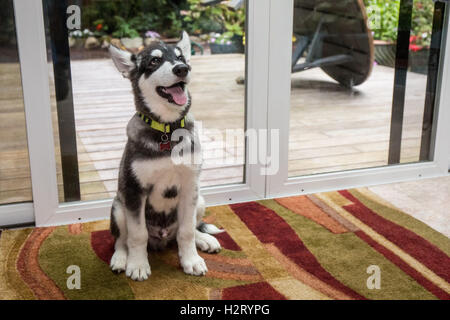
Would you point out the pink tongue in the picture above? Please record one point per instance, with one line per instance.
(178, 95)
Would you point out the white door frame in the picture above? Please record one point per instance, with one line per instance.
(34, 66)
(281, 25)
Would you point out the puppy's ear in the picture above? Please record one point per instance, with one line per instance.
(123, 60)
(185, 46)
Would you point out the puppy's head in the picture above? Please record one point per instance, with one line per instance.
(160, 75)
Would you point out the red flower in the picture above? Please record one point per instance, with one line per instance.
(99, 27)
(415, 47)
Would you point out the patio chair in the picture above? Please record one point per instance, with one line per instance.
(335, 37)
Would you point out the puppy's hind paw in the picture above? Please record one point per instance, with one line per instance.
(207, 243)
(118, 261)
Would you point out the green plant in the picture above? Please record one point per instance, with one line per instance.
(216, 18)
(384, 16)
(144, 21)
(136, 16)
(422, 22)
(200, 19)
(124, 29)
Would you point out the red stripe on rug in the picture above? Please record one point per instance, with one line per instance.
(254, 291)
(102, 242)
(30, 271)
(227, 242)
(413, 244)
(406, 268)
(269, 227)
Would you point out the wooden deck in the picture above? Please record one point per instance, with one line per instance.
(15, 183)
(331, 128)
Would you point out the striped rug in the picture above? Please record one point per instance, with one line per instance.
(339, 245)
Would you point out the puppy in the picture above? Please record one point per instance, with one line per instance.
(158, 199)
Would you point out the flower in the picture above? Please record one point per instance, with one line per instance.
(76, 34)
(415, 47)
(99, 27)
(152, 34)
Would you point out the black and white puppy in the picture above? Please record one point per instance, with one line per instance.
(158, 199)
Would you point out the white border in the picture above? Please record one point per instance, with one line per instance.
(279, 112)
(31, 43)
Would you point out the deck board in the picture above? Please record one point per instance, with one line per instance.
(331, 128)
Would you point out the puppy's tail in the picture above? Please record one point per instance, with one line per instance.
(209, 228)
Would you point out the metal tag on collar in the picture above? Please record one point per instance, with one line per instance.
(165, 142)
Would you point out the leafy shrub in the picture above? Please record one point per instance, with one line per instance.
(219, 18)
(168, 17)
(131, 17)
(384, 16)
(124, 29)
(422, 22)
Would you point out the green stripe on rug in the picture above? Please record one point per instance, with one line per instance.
(347, 257)
(11, 284)
(62, 249)
(169, 282)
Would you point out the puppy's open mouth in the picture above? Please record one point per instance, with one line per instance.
(174, 94)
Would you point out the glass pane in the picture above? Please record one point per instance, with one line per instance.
(94, 102)
(15, 181)
(346, 112)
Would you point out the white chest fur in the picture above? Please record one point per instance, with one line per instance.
(163, 174)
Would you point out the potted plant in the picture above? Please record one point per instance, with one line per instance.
(77, 38)
(151, 36)
(224, 25)
(129, 36)
(383, 21)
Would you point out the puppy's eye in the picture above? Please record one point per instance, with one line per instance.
(155, 61)
(182, 59)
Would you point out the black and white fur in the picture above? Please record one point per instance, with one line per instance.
(157, 200)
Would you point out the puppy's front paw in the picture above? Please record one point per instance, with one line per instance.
(138, 269)
(118, 261)
(207, 243)
(194, 265)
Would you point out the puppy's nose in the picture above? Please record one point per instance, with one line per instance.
(181, 70)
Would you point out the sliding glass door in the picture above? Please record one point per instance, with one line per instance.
(363, 86)
(293, 96)
(86, 103)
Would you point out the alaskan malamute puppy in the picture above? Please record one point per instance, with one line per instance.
(158, 199)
